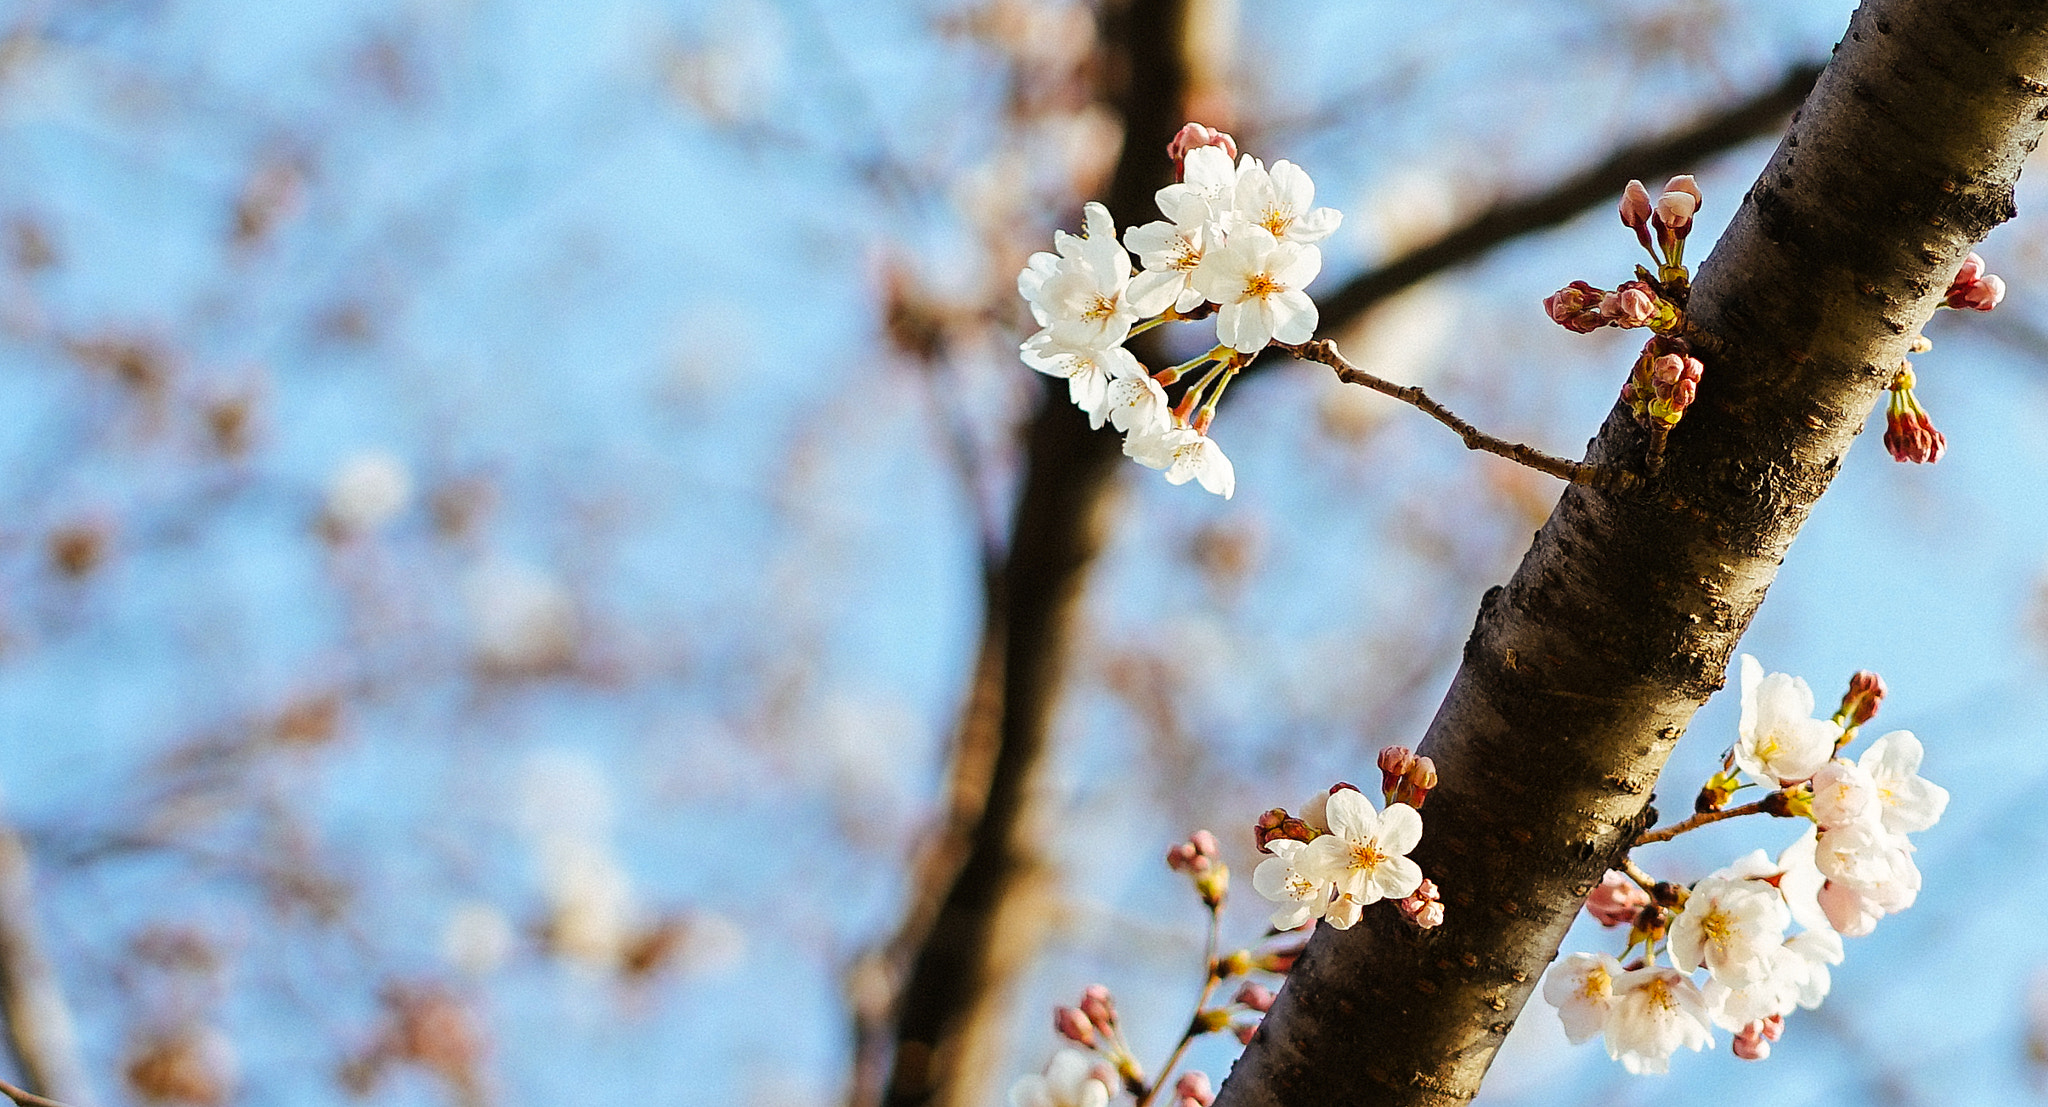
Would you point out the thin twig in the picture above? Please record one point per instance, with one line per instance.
(1700, 820)
(1578, 472)
(1635, 872)
(1194, 1021)
(26, 1098)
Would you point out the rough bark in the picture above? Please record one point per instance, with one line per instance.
(1584, 670)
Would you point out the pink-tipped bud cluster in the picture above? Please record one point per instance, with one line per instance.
(1635, 210)
(1754, 1042)
(1581, 307)
(1197, 857)
(1973, 288)
(1194, 136)
(1864, 697)
(1617, 901)
(1664, 382)
(1254, 996)
(1276, 824)
(1193, 1090)
(1423, 908)
(1908, 432)
(1662, 226)
(1404, 777)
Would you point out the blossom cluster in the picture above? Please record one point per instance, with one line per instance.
(1340, 855)
(1851, 866)
(1237, 242)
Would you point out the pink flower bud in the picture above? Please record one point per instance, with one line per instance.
(1074, 1026)
(1415, 784)
(1280, 960)
(1394, 762)
(1204, 843)
(1245, 1032)
(1865, 696)
(1256, 996)
(1973, 288)
(1635, 207)
(1181, 857)
(1193, 1090)
(1773, 1027)
(1099, 1008)
(1617, 901)
(1910, 436)
(1576, 307)
(1751, 1044)
(1277, 823)
(1194, 136)
(1687, 185)
(1631, 305)
(1423, 907)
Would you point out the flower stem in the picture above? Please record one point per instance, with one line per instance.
(1703, 818)
(1578, 472)
(1209, 981)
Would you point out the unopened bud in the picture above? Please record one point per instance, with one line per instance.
(1632, 305)
(1099, 1008)
(1394, 761)
(1751, 1044)
(1244, 1032)
(1071, 1024)
(1865, 696)
(1213, 882)
(1635, 207)
(1193, 1090)
(1255, 996)
(1423, 907)
(1973, 288)
(1687, 185)
(1276, 824)
(1576, 307)
(1617, 901)
(1194, 136)
(1204, 843)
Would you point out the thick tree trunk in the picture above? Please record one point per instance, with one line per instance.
(1584, 670)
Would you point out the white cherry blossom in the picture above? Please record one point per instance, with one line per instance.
(1801, 881)
(1256, 281)
(1170, 252)
(1069, 1081)
(1730, 926)
(1087, 371)
(1284, 879)
(1774, 992)
(1364, 854)
(1281, 202)
(1844, 792)
(1078, 294)
(1186, 455)
(1657, 1012)
(1137, 405)
(1581, 987)
(1907, 801)
(1819, 949)
(1779, 738)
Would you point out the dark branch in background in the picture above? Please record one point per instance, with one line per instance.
(940, 980)
(978, 892)
(39, 1033)
(1583, 671)
(1663, 156)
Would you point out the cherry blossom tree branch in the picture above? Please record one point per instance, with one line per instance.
(938, 982)
(1583, 670)
(1704, 818)
(39, 1031)
(1577, 472)
(26, 1098)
